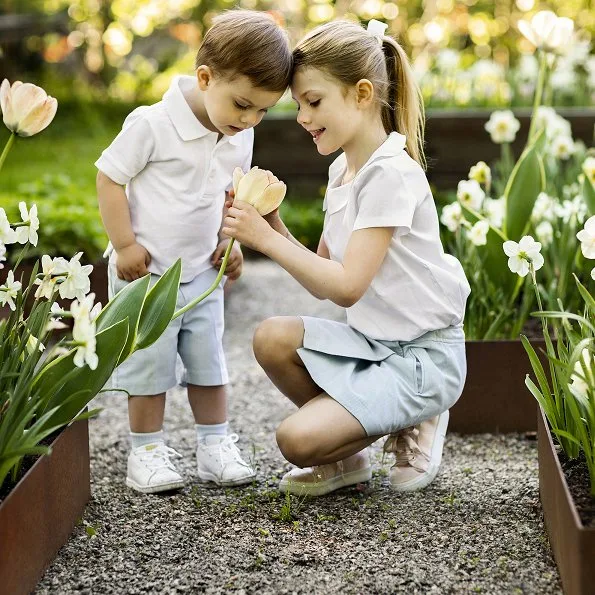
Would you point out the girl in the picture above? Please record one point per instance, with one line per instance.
(399, 363)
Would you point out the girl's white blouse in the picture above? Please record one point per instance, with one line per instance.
(418, 287)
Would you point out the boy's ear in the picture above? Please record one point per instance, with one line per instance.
(204, 75)
(364, 93)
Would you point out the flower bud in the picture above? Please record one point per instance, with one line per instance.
(260, 188)
(26, 108)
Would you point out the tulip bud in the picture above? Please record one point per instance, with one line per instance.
(26, 108)
(260, 188)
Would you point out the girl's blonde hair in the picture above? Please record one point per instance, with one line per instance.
(349, 53)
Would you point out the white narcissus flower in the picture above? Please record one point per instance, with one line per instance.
(593, 274)
(260, 188)
(586, 237)
(582, 378)
(589, 169)
(452, 216)
(544, 208)
(34, 343)
(9, 291)
(481, 173)
(26, 109)
(502, 126)
(478, 234)
(470, 194)
(52, 269)
(546, 31)
(28, 233)
(521, 255)
(2, 255)
(7, 233)
(83, 333)
(494, 209)
(85, 308)
(545, 233)
(575, 208)
(76, 284)
(562, 147)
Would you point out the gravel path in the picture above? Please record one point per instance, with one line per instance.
(477, 528)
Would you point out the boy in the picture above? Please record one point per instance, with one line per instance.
(176, 159)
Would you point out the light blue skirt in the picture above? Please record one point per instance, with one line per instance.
(385, 385)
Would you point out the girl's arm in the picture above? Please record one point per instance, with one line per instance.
(342, 283)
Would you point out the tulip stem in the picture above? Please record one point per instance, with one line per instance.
(210, 290)
(7, 147)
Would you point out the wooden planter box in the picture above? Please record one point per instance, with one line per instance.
(495, 398)
(38, 515)
(572, 543)
(455, 140)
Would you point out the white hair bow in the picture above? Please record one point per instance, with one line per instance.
(377, 29)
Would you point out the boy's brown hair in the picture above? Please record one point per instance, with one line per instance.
(249, 43)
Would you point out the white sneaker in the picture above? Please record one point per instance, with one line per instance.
(150, 469)
(418, 452)
(218, 460)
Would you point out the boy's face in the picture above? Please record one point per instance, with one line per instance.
(233, 104)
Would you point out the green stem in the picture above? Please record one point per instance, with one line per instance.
(210, 290)
(538, 93)
(7, 147)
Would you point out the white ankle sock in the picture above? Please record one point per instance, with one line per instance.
(204, 430)
(141, 438)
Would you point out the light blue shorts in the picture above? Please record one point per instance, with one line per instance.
(385, 385)
(197, 336)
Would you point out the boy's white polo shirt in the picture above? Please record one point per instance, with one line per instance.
(418, 287)
(176, 175)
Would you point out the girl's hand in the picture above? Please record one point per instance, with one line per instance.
(234, 263)
(272, 218)
(244, 223)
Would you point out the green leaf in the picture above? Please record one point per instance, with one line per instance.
(61, 379)
(126, 304)
(589, 194)
(526, 181)
(159, 307)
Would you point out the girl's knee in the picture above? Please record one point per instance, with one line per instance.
(277, 338)
(296, 444)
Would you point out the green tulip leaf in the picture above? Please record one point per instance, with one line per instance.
(589, 194)
(159, 307)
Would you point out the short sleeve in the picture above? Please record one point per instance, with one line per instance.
(130, 151)
(384, 198)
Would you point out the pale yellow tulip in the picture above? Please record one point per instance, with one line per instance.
(260, 188)
(26, 108)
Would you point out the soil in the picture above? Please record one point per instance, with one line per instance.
(576, 473)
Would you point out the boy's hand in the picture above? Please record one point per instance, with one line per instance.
(132, 262)
(234, 263)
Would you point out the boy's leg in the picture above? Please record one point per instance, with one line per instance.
(145, 413)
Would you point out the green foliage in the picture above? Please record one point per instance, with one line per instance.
(69, 215)
(304, 220)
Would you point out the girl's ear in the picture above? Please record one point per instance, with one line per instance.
(364, 92)
(204, 75)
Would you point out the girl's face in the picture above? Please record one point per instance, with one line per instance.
(326, 109)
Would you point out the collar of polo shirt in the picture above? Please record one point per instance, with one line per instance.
(187, 125)
(395, 143)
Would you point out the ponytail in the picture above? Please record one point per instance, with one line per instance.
(403, 111)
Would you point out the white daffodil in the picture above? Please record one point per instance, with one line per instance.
(582, 378)
(52, 270)
(546, 31)
(34, 343)
(76, 284)
(478, 234)
(83, 334)
(27, 231)
(84, 308)
(545, 233)
(2, 255)
(569, 209)
(589, 169)
(586, 237)
(452, 216)
(494, 209)
(544, 208)
(481, 173)
(521, 255)
(9, 291)
(7, 233)
(593, 274)
(502, 126)
(470, 194)
(562, 147)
